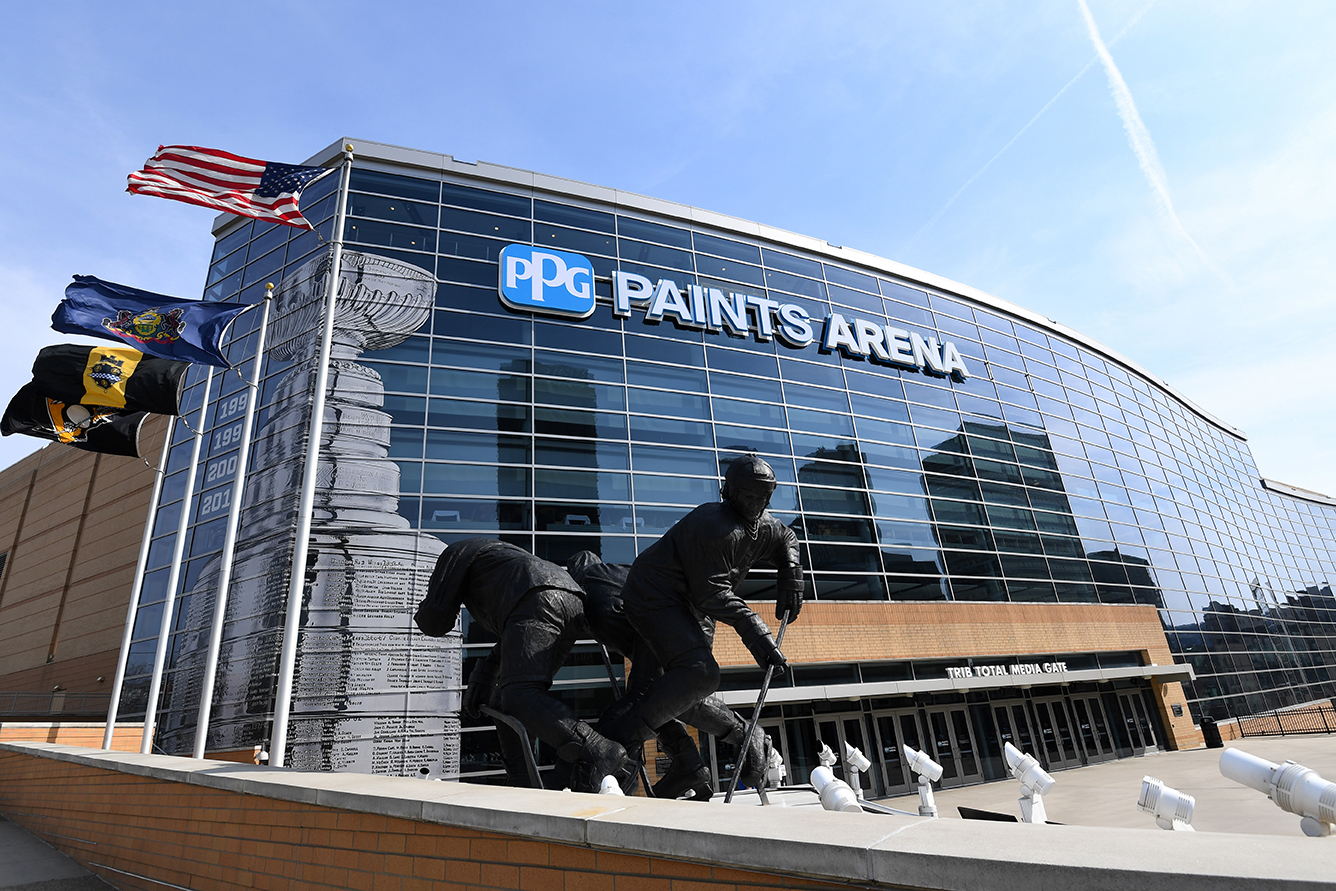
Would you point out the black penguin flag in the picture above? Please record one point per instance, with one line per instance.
(114, 377)
(95, 428)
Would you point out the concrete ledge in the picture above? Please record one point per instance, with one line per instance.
(864, 849)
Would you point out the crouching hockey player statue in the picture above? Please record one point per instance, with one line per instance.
(675, 592)
(534, 608)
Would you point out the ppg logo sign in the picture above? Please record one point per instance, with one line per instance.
(546, 281)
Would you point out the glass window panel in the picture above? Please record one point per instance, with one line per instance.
(406, 409)
(578, 338)
(797, 395)
(730, 270)
(567, 215)
(887, 480)
(734, 250)
(574, 240)
(858, 300)
(665, 350)
(878, 385)
(633, 228)
(961, 512)
(884, 431)
(505, 228)
(584, 367)
(676, 489)
(662, 459)
(851, 279)
(394, 184)
(466, 272)
(663, 402)
(755, 363)
(235, 239)
(585, 424)
(479, 385)
(663, 430)
(395, 210)
(749, 439)
(731, 411)
(890, 455)
(836, 425)
(655, 255)
(811, 373)
(582, 484)
(581, 453)
(404, 378)
(474, 515)
(459, 354)
(686, 380)
(483, 447)
(477, 415)
(883, 409)
(829, 447)
(782, 281)
(391, 235)
(746, 388)
(579, 394)
(470, 479)
(482, 199)
(574, 515)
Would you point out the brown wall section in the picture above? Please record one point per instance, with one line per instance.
(865, 632)
(71, 526)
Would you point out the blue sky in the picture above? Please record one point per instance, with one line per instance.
(1198, 242)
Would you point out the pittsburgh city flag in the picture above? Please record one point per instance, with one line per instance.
(94, 428)
(228, 182)
(166, 327)
(112, 377)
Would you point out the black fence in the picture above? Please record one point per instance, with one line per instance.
(54, 705)
(1309, 719)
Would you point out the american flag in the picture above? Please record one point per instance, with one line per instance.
(223, 181)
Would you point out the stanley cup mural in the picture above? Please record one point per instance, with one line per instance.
(369, 694)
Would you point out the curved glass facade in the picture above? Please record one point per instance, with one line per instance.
(1052, 473)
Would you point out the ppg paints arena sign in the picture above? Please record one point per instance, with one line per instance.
(560, 283)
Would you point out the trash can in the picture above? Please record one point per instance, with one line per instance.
(1212, 733)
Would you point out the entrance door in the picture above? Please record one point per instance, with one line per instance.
(1013, 725)
(1089, 713)
(1139, 730)
(953, 746)
(895, 729)
(1057, 734)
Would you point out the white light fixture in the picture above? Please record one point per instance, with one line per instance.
(1035, 782)
(928, 771)
(1172, 809)
(855, 762)
(1291, 786)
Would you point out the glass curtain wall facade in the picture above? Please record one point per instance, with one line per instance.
(1052, 473)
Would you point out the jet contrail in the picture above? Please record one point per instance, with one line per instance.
(1139, 138)
(1088, 65)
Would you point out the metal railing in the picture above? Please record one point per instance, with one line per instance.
(1308, 719)
(60, 704)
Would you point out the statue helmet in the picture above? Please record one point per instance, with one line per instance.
(748, 472)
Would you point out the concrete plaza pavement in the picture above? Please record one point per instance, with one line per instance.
(29, 864)
(1106, 794)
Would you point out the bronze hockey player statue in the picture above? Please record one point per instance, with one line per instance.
(686, 581)
(534, 608)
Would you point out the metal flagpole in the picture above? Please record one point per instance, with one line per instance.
(230, 539)
(174, 577)
(278, 740)
(136, 588)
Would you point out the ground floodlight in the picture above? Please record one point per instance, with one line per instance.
(855, 762)
(1172, 809)
(1035, 781)
(1291, 786)
(928, 771)
(836, 795)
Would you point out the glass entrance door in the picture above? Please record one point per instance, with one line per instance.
(953, 745)
(895, 729)
(1139, 730)
(1057, 733)
(1094, 729)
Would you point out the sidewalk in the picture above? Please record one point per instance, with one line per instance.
(1106, 794)
(29, 864)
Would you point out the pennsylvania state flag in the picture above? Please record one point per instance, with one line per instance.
(166, 327)
(110, 377)
(93, 428)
